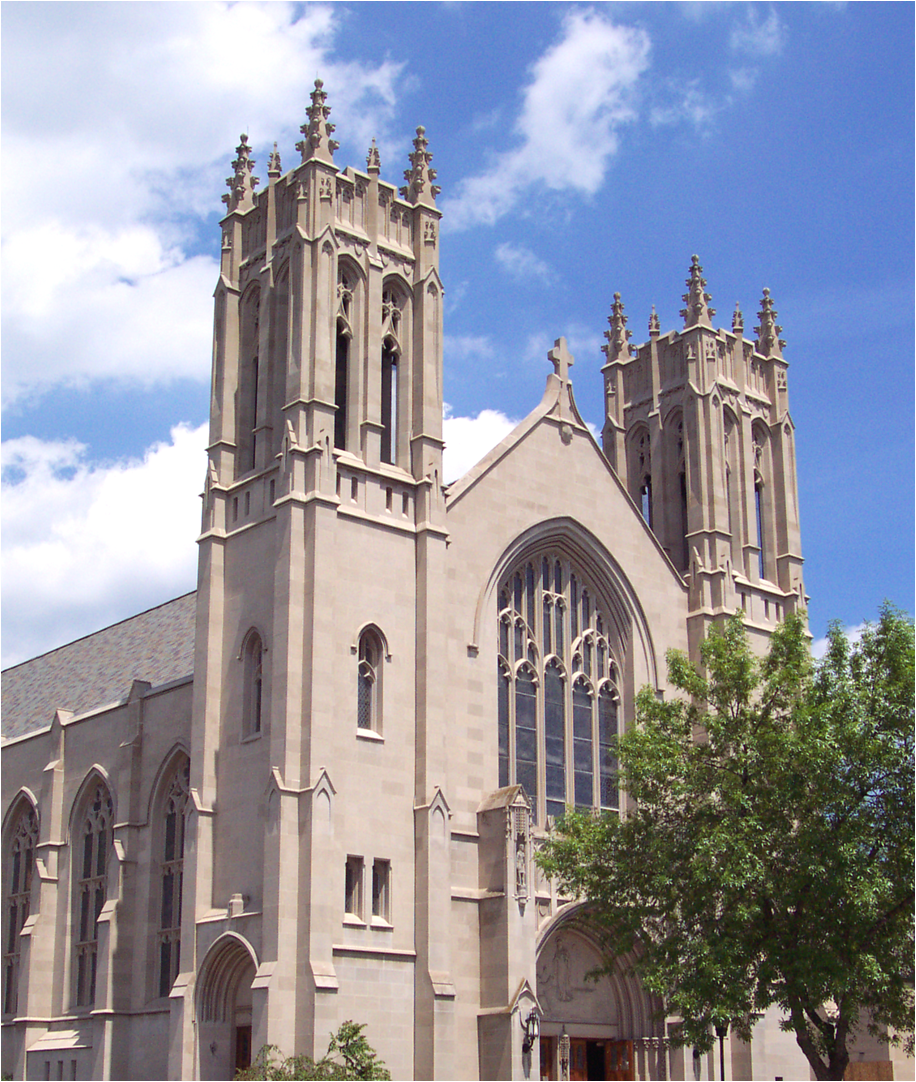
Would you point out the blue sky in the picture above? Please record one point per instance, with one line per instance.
(581, 150)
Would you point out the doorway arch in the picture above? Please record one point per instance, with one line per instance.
(224, 1022)
(613, 1024)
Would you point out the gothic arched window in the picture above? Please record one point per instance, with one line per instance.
(92, 844)
(18, 877)
(172, 876)
(558, 700)
(369, 682)
(253, 653)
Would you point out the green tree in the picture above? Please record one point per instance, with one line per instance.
(767, 857)
(357, 1061)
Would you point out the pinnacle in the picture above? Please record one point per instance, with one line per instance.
(317, 131)
(738, 319)
(654, 325)
(768, 341)
(273, 163)
(373, 161)
(697, 312)
(618, 337)
(241, 184)
(419, 177)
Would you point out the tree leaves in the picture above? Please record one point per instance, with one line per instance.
(767, 854)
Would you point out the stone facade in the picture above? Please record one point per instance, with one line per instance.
(312, 791)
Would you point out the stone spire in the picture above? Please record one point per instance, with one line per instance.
(317, 142)
(419, 177)
(738, 320)
(373, 161)
(654, 326)
(768, 341)
(618, 337)
(697, 313)
(273, 163)
(242, 184)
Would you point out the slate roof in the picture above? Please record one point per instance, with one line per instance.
(156, 645)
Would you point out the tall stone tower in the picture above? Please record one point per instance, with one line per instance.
(321, 561)
(697, 425)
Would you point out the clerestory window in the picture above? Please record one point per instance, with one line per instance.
(558, 701)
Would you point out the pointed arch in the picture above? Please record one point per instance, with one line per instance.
(91, 843)
(371, 652)
(168, 809)
(21, 830)
(254, 698)
(250, 400)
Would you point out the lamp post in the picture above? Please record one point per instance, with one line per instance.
(721, 1031)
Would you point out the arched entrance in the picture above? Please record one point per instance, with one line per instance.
(609, 1023)
(224, 1008)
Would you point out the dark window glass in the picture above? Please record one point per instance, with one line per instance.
(503, 728)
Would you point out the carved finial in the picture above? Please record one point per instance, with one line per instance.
(618, 337)
(768, 341)
(738, 320)
(373, 161)
(697, 312)
(273, 163)
(317, 131)
(654, 327)
(417, 190)
(241, 184)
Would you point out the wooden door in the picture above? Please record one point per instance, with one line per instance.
(242, 1047)
(578, 1059)
(619, 1064)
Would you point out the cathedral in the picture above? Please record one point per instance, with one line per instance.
(313, 789)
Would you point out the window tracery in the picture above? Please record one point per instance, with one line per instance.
(172, 877)
(91, 888)
(18, 900)
(558, 697)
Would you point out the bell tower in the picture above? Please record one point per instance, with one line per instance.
(321, 584)
(697, 425)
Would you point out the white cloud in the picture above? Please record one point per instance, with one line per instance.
(743, 79)
(99, 136)
(853, 633)
(462, 347)
(468, 439)
(520, 262)
(690, 103)
(86, 544)
(758, 38)
(581, 91)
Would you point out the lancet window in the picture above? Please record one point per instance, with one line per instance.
(393, 305)
(172, 877)
(558, 692)
(254, 684)
(91, 859)
(369, 682)
(18, 899)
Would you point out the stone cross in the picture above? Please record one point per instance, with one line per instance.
(562, 359)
